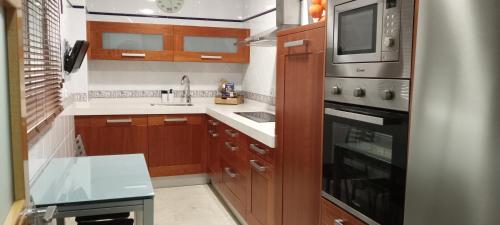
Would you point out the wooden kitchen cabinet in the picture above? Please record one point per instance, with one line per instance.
(112, 135)
(210, 44)
(299, 114)
(130, 41)
(260, 197)
(177, 144)
(214, 132)
(332, 214)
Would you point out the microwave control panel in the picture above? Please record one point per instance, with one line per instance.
(391, 30)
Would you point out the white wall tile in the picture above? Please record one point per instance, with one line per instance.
(254, 7)
(121, 75)
(73, 28)
(55, 142)
(217, 9)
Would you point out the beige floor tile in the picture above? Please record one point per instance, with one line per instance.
(189, 205)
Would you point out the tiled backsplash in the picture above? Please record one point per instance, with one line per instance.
(156, 93)
(56, 142)
(147, 93)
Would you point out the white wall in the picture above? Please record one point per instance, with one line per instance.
(260, 73)
(6, 189)
(73, 28)
(58, 140)
(137, 75)
(216, 9)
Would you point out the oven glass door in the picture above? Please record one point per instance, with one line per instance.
(364, 163)
(357, 32)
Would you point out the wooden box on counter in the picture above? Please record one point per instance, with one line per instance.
(230, 101)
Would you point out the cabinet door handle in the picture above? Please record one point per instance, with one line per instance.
(229, 172)
(119, 121)
(211, 57)
(140, 55)
(256, 148)
(175, 120)
(338, 222)
(231, 147)
(257, 167)
(295, 43)
(231, 133)
(213, 123)
(213, 134)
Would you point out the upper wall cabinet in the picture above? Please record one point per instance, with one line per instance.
(156, 42)
(210, 44)
(130, 41)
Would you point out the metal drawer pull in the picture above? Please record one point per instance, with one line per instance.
(257, 149)
(173, 120)
(213, 123)
(134, 55)
(231, 133)
(355, 116)
(230, 146)
(119, 121)
(295, 43)
(257, 167)
(211, 57)
(229, 172)
(212, 133)
(339, 222)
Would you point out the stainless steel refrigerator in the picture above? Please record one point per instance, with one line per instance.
(454, 155)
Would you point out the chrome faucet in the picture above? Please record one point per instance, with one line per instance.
(187, 85)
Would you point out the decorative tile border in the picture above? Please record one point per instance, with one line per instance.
(148, 93)
(80, 97)
(177, 93)
(259, 97)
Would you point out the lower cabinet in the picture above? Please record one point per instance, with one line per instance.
(332, 214)
(241, 169)
(214, 132)
(112, 135)
(177, 144)
(260, 198)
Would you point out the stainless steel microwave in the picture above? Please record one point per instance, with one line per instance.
(369, 38)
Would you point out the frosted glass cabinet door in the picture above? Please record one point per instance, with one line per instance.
(210, 44)
(130, 41)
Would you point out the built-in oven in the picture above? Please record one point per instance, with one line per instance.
(369, 38)
(365, 147)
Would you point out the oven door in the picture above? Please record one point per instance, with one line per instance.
(358, 31)
(364, 162)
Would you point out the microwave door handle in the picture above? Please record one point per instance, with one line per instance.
(355, 116)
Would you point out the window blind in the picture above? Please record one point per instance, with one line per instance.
(42, 63)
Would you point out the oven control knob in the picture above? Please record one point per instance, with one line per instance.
(336, 90)
(389, 41)
(387, 94)
(359, 92)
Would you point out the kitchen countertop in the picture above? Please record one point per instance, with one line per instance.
(263, 132)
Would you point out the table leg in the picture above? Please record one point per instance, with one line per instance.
(60, 221)
(138, 217)
(148, 212)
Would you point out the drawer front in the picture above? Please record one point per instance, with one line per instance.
(261, 150)
(333, 215)
(233, 144)
(234, 177)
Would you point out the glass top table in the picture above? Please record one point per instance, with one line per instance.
(79, 185)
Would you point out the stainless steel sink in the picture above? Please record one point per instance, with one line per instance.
(172, 104)
(259, 117)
